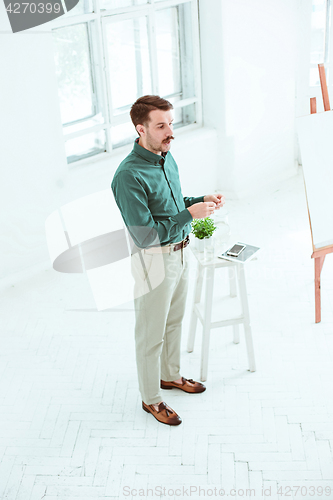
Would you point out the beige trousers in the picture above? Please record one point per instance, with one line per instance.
(160, 290)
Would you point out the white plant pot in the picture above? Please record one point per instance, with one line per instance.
(206, 245)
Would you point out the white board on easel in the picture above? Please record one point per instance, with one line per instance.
(315, 134)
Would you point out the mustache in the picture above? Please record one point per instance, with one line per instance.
(171, 137)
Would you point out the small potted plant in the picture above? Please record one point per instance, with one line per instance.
(202, 229)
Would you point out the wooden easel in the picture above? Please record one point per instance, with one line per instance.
(319, 253)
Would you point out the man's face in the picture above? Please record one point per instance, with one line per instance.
(156, 135)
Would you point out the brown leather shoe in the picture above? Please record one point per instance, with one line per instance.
(164, 414)
(187, 385)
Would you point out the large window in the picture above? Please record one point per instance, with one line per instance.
(110, 52)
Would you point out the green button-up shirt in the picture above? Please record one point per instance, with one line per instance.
(147, 191)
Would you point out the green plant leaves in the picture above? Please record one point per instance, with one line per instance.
(203, 228)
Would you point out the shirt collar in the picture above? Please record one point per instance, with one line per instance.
(148, 155)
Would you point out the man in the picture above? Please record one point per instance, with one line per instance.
(147, 191)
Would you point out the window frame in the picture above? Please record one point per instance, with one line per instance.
(101, 78)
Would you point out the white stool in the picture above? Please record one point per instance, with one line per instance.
(235, 310)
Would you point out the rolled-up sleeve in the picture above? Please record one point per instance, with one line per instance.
(192, 200)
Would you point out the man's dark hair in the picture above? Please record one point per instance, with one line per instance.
(144, 105)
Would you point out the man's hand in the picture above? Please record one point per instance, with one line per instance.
(218, 199)
(202, 210)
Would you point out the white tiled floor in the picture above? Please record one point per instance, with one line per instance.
(71, 423)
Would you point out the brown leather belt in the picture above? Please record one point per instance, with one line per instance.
(169, 248)
(182, 244)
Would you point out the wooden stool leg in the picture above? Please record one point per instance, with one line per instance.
(246, 314)
(319, 261)
(196, 300)
(207, 322)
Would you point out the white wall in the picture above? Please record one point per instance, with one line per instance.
(248, 63)
(33, 163)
